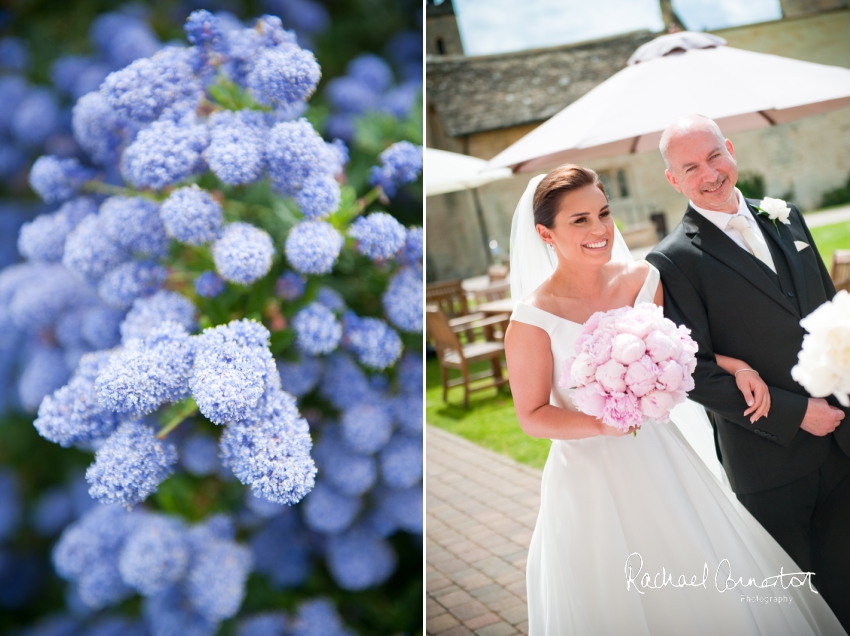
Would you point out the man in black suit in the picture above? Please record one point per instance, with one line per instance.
(742, 283)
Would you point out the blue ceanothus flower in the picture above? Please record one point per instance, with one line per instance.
(100, 131)
(44, 372)
(411, 253)
(348, 471)
(56, 180)
(402, 300)
(145, 89)
(269, 450)
(72, 416)
(233, 366)
(209, 284)
(372, 341)
(191, 215)
(236, 153)
(149, 372)
(283, 75)
(318, 196)
(199, 455)
(130, 465)
(367, 427)
(329, 511)
(148, 313)
(282, 549)
(264, 624)
(203, 28)
(89, 251)
(360, 558)
(165, 153)
(215, 584)
(379, 236)
(43, 238)
(128, 281)
(317, 329)
(400, 163)
(290, 286)
(318, 617)
(155, 555)
(243, 253)
(87, 554)
(301, 377)
(133, 224)
(401, 461)
(312, 247)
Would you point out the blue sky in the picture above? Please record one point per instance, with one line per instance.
(498, 26)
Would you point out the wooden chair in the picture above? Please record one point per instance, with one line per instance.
(451, 298)
(452, 354)
(840, 270)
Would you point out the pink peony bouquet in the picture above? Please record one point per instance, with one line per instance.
(630, 364)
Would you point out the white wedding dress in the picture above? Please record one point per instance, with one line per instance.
(606, 498)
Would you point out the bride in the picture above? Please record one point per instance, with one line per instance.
(635, 535)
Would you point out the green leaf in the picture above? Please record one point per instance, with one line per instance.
(282, 340)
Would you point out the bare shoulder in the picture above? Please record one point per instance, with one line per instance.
(523, 339)
(629, 274)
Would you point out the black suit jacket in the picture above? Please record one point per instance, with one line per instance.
(736, 306)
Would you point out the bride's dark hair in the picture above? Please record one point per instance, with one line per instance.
(563, 179)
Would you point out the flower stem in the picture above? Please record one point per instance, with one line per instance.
(176, 415)
(368, 199)
(99, 187)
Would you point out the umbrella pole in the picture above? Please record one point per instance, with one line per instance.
(483, 226)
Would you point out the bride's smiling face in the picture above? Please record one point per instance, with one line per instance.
(583, 228)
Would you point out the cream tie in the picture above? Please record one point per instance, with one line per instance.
(740, 223)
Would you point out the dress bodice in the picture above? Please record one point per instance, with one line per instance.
(563, 333)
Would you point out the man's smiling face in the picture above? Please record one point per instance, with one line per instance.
(703, 168)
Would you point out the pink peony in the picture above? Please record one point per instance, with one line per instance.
(610, 376)
(662, 347)
(678, 396)
(583, 370)
(579, 343)
(598, 347)
(565, 380)
(590, 399)
(657, 405)
(627, 348)
(643, 319)
(688, 344)
(641, 376)
(592, 323)
(622, 411)
(670, 375)
(608, 322)
(687, 383)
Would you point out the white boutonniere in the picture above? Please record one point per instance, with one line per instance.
(776, 210)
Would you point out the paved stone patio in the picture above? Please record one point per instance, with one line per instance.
(481, 508)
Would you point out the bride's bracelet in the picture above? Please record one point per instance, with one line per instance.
(739, 370)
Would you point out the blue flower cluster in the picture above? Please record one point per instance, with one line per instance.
(369, 86)
(400, 163)
(190, 576)
(192, 170)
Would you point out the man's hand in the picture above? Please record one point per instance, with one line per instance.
(821, 418)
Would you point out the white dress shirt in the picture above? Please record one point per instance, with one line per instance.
(721, 220)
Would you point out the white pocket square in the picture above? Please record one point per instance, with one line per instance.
(800, 245)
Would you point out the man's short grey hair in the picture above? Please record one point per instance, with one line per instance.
(685, 125)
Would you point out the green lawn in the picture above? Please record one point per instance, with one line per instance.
(830, 238)
(489, 421)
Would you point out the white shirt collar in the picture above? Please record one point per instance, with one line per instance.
(721, 219)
